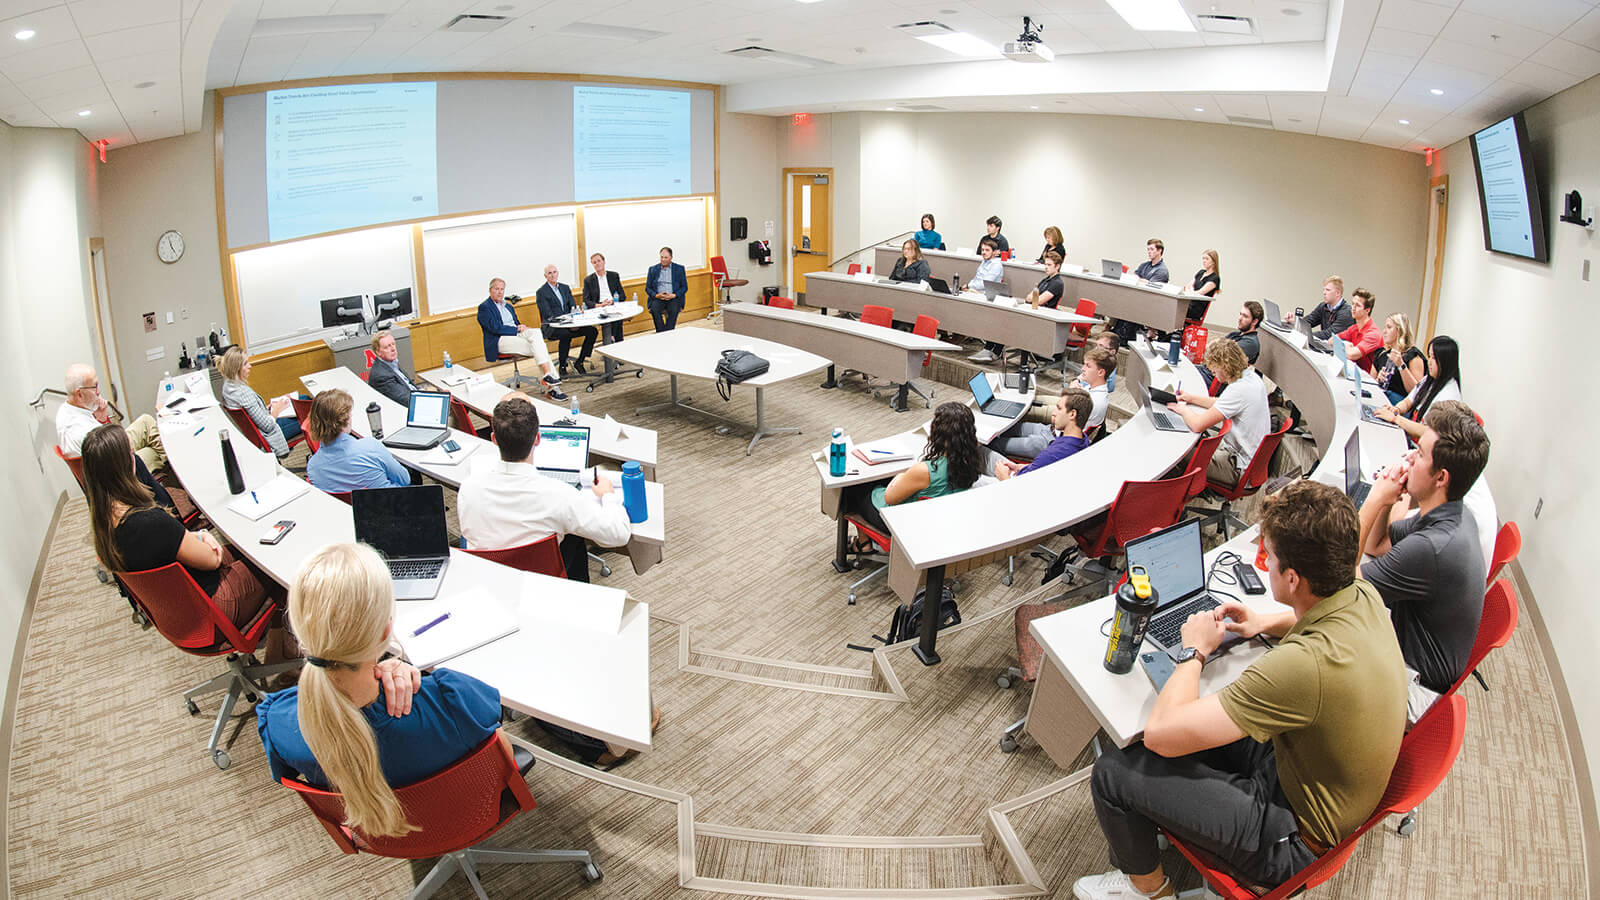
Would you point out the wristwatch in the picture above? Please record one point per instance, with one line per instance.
(1187, 653)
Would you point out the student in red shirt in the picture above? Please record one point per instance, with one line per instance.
(1363, 339)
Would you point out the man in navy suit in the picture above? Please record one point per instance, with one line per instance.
(504, 334)
(667, 284)
(555, 300)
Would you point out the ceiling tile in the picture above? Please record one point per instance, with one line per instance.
(59, 82)
(51, 26)
(1586, 31)
(1374, 84)
(100, 16)
(1342, 130)
(1493, 34)
(1574, 59)
(1410, 15)
(1252, 105)
(164, 37)
(1473, 59)
(70, 101)
(1350, 109)
(139, 68)
(1372, 61)
(44, 61)
(1399, 43)
(1548, 16)
(282, 9)
(1542, 77)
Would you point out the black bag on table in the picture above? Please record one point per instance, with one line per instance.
(736, 366)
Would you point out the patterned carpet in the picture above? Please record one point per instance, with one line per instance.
(112, 795)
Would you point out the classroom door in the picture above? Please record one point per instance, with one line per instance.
(810, 226)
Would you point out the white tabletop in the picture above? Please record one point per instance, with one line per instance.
(532, 669)
(600, 315)
(695, 352)
(1076, 644)
(892, 336)
(1062, 316)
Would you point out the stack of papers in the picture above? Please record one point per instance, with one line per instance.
(257, 502)
(471, 619)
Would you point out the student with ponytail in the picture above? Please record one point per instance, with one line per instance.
(357, 724)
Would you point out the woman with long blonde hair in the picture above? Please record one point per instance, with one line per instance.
(356, 723)
(276, 421)
(1403, 364)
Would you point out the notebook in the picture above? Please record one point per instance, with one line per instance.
(474, 619)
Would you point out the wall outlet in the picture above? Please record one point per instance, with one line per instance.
(170, 320)
(1538, 508)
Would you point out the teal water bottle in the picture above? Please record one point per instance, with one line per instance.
(836, 454)
(633, 492)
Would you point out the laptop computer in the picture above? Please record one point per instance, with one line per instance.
(1176, 564)
(406, 526)
(1164, 419)
(1274, 317)
(993, 289)
(562, 452)
(427, 422)
(988, 404)
(1355, 487)
(939, 285)
(1111, 268)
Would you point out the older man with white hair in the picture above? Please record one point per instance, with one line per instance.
(86, 409)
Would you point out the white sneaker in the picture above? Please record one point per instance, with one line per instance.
(983, 356)
(1114, 885)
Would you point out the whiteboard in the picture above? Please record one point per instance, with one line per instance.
(631, 235)
(461, 255)
(281, 287)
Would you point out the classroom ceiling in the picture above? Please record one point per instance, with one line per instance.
(1407, 74)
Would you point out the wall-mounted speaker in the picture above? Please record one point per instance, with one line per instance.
(738, 228)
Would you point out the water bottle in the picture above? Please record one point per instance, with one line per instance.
(447, 363)
(230, 464)
(836, 454)
(633, 492)
(375, 419)
(166, 387)
(636, 297)
(574, 409)
(1136, 601)
(1174, 346)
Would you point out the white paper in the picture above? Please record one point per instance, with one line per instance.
(476, 618)
(255, 503)
(964, 251)
(607, 429)
(1072, 268)
(438, 456)
(197, 383)
(863, 276)
(590, 607)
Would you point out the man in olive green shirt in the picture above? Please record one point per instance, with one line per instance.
(1294, 755)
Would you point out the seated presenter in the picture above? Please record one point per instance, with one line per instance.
(668, 286)
(555, 300)
(1050, 443)
(343, 461)
(386, 376)
(278, 423)
(602, 289)
(1293, 756)
(951, 462)
(505, 335)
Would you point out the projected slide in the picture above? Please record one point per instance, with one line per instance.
(629, 142)
(344, 156)
(1505, 189)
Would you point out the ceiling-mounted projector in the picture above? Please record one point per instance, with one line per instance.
(1029, 46)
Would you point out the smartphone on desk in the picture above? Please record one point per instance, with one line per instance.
(277, 532)
(451, 446)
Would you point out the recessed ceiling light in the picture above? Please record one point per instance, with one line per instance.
(1199, 109)
(82, 113)
(1033, 107)
(1437, 92)
(1153, 15)
(962, 44)
(1290, 11)
(24, 34)
(1405, 121)
(145, 84)
(504, 7)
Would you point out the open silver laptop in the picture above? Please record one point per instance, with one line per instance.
(427, 422)
(406, 526)
(562, 452)
(1274, 317)
(1163, 418)
(1111, 268)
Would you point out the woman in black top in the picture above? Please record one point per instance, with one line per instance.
(133, 534)
(1052, 241)
(1048, 293)
(910, 266)
(1403, 364)
(1207, 282)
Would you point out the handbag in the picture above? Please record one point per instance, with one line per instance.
(1194, 342)
(736, 366)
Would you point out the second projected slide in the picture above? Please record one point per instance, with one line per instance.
(629, 142)
(344, 156)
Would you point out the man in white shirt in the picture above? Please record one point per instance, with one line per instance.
(990, 270)
(86, 410)
(1243, 401)
(510, 503)
(1098, 366)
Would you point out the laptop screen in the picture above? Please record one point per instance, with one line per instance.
(1273, 314)
(428, 410)
(401, 522)
(1352, 461)
(981, 391)
(563, 448)
(1173, 559)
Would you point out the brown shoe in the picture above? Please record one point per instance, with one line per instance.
(608, 760)
(655, 719)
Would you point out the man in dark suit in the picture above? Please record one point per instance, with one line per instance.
(603, 288)
(555, 301)
(667, 283)
(386, 376)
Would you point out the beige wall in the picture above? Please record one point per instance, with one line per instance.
(1522, 326)
(750, 190)
(146, 189)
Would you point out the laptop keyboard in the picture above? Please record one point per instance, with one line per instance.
(415, 568)
(1168, 419)
(1167, 628)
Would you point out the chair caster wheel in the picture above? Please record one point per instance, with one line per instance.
(1008, 744)
(592, 873)
(220, 757)
(1408, 824)
(639, 374)
(250, 697)
(103, 575)
(1003, 680)
(589, 389)
(1006, 580)
(194, 710)
(605, 571)
(852, 600)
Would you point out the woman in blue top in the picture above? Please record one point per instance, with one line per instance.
(357, 725)
(951, 462)
(927, 238)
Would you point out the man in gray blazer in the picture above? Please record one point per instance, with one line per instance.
(386, 376)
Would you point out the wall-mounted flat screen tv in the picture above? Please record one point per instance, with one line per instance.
(1508, 191)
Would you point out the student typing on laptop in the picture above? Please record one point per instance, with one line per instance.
(511, 503)
(1243, 401)
(1291, 757)
(1333, 314)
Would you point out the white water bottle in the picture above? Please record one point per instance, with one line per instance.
(635, 297)
(447, 363)
(166, 387)
(574, 399)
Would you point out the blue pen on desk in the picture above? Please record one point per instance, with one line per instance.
(884, 452)
(198, 430)
(254, 499)
(419, 631)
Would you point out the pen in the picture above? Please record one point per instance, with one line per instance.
(254, 499)
(419, 631)
(200, 429)
(884, 452)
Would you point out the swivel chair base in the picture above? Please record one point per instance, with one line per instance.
(245, 677)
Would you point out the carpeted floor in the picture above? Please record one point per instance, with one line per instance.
(112, 795)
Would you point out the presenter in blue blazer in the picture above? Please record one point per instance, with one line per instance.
(505, 335)
(667, 284)
(555, 300)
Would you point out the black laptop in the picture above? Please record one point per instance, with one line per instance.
(988, 404)
(939, 285)
(406, 526)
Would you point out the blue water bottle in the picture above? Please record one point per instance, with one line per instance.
(1174, 346)
(633, 492)
(836, 454)
(447, 363)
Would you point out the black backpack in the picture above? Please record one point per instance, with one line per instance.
(907, 622)
(736, 366)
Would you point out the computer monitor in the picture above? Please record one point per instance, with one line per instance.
(339, 311)
(392, 304)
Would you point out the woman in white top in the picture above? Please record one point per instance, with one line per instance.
(1443, 383)
(1243, 401)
